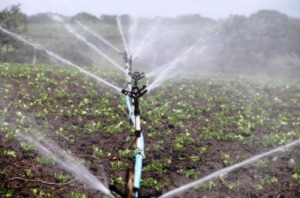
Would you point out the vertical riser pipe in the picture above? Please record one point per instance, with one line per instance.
(139, 162)
(129, 107)
(128, 100)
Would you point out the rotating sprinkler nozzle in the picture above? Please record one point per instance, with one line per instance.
(136, 76)
(135, 94)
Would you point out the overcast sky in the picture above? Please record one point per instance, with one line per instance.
(215, 9)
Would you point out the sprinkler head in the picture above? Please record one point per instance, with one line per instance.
(136, 76)
(136, 93)
(128, 60)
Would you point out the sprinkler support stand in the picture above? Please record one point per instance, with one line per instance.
(136, 76)
(135, 94)
(128, 63)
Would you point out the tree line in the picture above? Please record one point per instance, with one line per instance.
(265, 41)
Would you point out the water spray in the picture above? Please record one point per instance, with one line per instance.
(52, 54)
(80, 37)
(144, 42)
(228, 169)
(70, 164)
(122, 35)
(98, 36)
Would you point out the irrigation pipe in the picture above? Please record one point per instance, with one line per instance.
(52, 54)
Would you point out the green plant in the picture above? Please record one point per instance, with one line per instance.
(6, 192)
(77, 195)
(191, 174)
(118, 165)
(229, 186)
(28, 146)
(113, 129)
(63, 178)
(8, 152)
(179, 147)
(92, 127)
(262, 163)
(83, 161)
(42, 193)
(150, 183)
(98, 151)
(296, 175)
(192, 158)
(127, 153)
(205, 185)
(226, 159)
(28, 173)
(202, 150)
(119, 181)
(45, 160)
(156, 166)
(258, 187)
(184, 138)
(3, 171)
(267, 179)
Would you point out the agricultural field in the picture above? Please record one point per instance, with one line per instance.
(193, 126)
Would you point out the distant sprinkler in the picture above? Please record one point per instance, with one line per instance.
(128, 60)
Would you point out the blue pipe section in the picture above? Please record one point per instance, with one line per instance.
(129, 106)
(139, 165)
(131, 113)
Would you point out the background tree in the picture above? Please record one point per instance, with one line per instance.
(108, 19)
(85, 17)
(11, 19)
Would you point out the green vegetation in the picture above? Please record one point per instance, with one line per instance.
(28, 146)
(28, 173)
(118, 165)
(296, 175)
(216, 120)
(45, 160)
(119, 181)
(77, 195)
(42, 194)
(205, 185)
(157, 166)
(8, 152)
(258, 187)
(191, 174)
(63, 178)
(6, 192)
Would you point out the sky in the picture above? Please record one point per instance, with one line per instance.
(214, 9)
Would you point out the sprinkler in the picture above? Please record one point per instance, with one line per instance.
(128, 68)
(134, 176)
(136, 76)
(128, 60)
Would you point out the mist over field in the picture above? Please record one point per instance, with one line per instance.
(266, 42)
